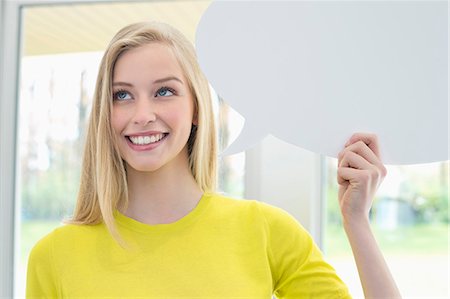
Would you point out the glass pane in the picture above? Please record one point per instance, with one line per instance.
(56, 91)
(410, 221)
(62, 48)
(231, 168)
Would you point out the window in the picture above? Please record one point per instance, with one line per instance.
(410, 221)
(62, 48)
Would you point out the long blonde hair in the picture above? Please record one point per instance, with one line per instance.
(103, 185)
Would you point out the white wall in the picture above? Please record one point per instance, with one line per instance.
(288, 177)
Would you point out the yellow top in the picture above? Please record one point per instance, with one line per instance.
(224, 248)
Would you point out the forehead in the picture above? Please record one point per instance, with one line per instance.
(150, 61)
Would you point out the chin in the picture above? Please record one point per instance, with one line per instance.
(144, 168)
(155, 163)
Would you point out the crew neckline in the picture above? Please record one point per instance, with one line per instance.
(138, 226)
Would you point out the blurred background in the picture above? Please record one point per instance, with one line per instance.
(61, 47)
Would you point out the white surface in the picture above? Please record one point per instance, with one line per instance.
(314, 72)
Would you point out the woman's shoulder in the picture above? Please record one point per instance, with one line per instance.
(273, 215)
(226, 203)
(66, 235)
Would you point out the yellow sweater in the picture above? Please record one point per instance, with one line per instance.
(224, 248)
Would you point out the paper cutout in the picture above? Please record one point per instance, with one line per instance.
(312, 73)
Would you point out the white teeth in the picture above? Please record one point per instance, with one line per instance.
(143, 140)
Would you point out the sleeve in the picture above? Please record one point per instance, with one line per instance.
(298, 268)
(41, 276)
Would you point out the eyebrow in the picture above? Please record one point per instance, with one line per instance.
(154, 82)
(168, 79)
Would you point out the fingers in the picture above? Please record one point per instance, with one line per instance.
(353, 159)
(362, 150)
(371, 140)
(367, 145)
(349, 174)
(362, 153)
(345, 174)
(351, 165)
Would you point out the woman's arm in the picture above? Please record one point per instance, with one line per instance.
(360, 172)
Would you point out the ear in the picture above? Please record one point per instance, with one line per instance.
(195, 119)
(195, 113)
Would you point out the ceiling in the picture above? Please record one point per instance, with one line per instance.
(55, 29)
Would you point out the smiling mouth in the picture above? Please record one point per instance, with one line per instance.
(146, 140)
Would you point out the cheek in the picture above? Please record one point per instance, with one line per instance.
(181, 115)
(117, 120)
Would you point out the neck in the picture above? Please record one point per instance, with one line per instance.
(162, 196)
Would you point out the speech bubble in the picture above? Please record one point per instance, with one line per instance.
(312, 73)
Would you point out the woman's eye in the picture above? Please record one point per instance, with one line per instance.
(122, 95)
(165, 92)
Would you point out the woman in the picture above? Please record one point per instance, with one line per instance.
(148, 223)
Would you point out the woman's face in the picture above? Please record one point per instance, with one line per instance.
(153, 108)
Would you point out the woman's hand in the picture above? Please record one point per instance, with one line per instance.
(360, 173)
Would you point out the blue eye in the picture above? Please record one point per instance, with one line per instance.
(165, 92)
(121, 95)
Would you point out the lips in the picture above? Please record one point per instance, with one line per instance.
(145, 141)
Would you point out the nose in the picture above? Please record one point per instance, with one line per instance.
(144, 113)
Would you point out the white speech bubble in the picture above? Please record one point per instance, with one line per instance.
(312, 73)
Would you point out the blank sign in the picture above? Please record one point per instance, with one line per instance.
(313, 72)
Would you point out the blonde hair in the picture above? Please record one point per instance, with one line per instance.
(103, 185)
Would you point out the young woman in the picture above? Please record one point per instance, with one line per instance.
(148, 224)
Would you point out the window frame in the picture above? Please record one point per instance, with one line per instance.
(11, 35)
(9, 57)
